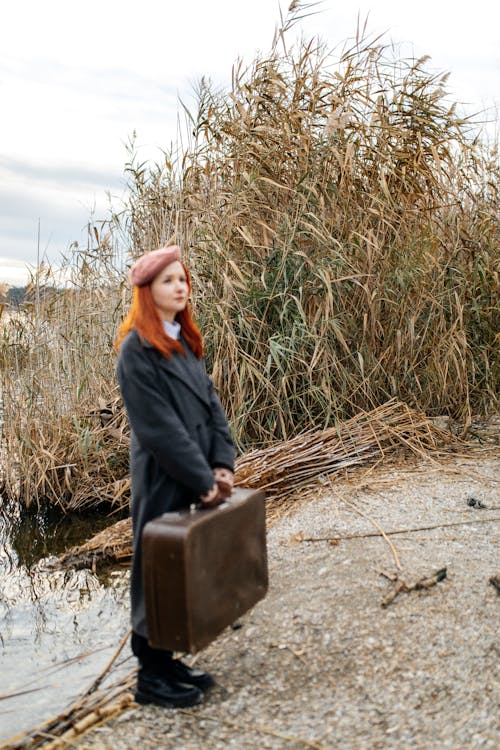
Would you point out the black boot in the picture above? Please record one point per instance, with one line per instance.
(160, 690)
(181, 672)
(162, 662)
(148, 656)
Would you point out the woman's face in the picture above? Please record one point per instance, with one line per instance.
(170, 290)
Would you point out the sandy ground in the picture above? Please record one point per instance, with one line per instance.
(320, 663)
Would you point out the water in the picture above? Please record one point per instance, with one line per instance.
(58, 629)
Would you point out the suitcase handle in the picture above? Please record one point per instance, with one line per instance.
(194, 507)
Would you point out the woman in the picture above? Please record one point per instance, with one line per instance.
(181, 448)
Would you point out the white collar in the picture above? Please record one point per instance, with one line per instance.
(172, 329)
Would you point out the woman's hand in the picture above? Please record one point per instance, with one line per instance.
(212, 497)
(225, 481)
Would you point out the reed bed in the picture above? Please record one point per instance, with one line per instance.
(287, 471)
(63, 427)
(335, 208)
(341, 222)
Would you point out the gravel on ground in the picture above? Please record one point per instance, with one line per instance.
(320, 663)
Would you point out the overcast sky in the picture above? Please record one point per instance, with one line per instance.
(76, 79)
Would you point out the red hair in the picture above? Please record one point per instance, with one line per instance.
(144, 317)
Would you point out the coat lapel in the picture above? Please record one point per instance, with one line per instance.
(189, 370)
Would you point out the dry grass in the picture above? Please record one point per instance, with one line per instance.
(341, 222)
(63, 428)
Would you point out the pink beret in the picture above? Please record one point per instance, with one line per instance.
(150, 264)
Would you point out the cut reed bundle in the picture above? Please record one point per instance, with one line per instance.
(285, 468)
(369, 436)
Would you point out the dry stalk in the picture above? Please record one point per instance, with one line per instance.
(95, 683)
(383, 533)
(366, 535)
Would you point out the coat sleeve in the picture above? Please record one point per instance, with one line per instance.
(157, 426)
(222, 450)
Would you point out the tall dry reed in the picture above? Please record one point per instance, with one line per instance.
(61, 433)
(341, 222)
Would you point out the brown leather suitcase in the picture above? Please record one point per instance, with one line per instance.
(203, 569)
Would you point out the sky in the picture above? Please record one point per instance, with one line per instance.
(78, 79)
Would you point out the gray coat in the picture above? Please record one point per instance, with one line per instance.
(179, 433)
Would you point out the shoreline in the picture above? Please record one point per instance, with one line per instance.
(321, 663)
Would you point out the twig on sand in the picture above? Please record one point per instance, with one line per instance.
(423, 583)
(298, 654)
(334, 540)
